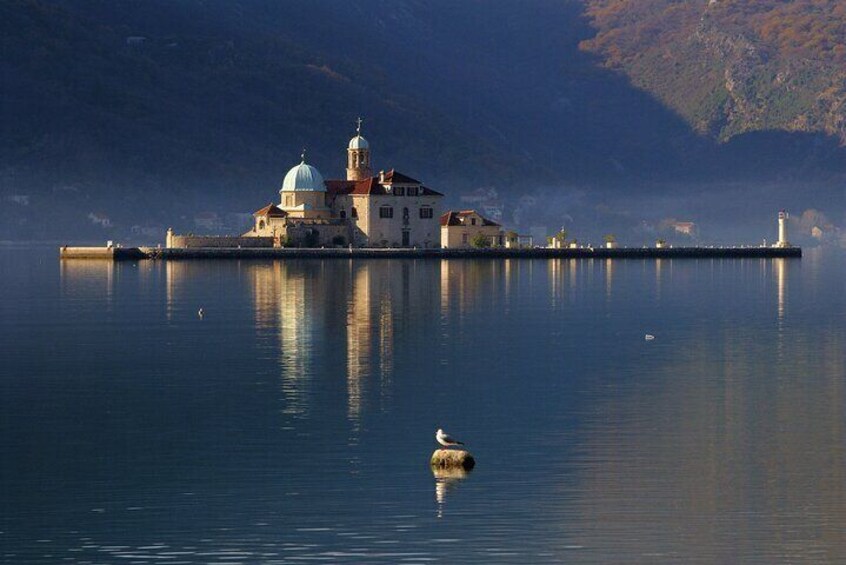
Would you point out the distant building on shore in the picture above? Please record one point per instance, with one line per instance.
(468, 228)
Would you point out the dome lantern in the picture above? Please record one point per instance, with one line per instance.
(358, 156)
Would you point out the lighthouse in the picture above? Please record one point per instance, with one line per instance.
(782, 230)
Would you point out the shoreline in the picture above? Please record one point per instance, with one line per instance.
(200, 253)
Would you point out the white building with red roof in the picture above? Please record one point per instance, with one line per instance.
(468, 228)
(386, 210)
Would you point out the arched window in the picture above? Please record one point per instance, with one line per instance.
(261, 224)
(405, 213)
(354, 212)
(343, 214)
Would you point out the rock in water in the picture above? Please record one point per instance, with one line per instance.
(452, 459)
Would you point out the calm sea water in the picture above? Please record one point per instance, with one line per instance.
(295, 421)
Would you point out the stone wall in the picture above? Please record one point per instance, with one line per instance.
(317, 234)
(217, 241)
(493, 253)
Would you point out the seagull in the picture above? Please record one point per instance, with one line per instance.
(649, 337)
(445, 439)
(200, 313)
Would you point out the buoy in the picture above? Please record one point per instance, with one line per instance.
(452, 459)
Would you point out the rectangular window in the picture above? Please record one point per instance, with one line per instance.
(386, 212)
(464, 238)
(412, 191)
(399, 191)
(426, 213)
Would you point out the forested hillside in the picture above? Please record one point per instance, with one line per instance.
(132, 111)
(732, 66)
(122, 118)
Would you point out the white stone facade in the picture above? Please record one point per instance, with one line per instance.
(387, 210)
(392, 221)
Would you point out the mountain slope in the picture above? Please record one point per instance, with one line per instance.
(732, 66)
(124, 118)
(137, 111)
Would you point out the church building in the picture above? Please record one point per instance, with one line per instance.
(388, 209)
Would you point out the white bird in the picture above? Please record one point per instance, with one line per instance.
(649, 337)
(200, 313)
(445, 439)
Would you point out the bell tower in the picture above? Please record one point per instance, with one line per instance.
(358, 156)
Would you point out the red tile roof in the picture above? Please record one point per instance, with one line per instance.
(338, 187)
(449, 219)
(452, 218)
(272, 211)
(371, 186)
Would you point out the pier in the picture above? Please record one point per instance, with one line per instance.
(109, 253)
(175, 253)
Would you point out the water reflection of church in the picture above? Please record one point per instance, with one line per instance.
(298, 308)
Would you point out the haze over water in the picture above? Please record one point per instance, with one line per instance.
(295, 421)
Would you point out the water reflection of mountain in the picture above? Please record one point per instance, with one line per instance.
(715, 451)
(636, 451)
(300, 307)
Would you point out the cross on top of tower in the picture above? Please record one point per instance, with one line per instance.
(358, 122)
(302, 155)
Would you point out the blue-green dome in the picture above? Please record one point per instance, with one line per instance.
(303, 177)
